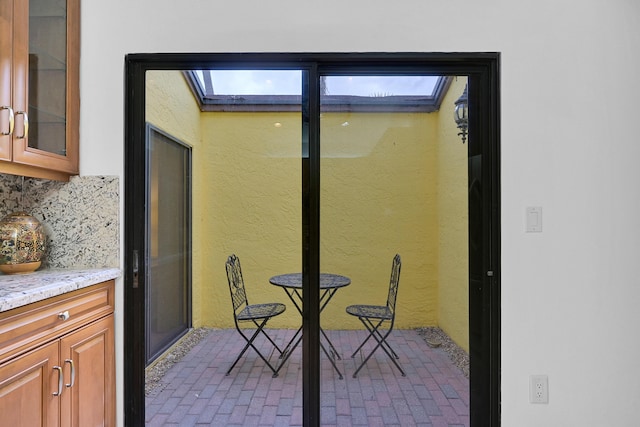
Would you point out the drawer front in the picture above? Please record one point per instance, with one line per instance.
(27, 327)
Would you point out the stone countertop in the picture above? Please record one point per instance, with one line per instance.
(22, 289)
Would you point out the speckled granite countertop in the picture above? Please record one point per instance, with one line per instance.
(22, 289)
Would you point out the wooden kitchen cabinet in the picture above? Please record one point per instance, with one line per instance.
(39, 87)
(25, 384)
(90, 400)
(57, 361)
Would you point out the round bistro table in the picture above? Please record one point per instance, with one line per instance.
(292, 285)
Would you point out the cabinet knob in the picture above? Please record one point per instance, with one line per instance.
(64, 315)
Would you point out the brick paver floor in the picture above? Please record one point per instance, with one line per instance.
(196, 392)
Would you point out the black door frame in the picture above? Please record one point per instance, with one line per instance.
(482, 70)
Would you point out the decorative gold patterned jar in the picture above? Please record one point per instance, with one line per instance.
(22, 243)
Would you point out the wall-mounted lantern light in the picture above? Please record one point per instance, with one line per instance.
(461, 114)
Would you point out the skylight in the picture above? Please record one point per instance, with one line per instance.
(250, 82)
(380, 86)
(255, 90)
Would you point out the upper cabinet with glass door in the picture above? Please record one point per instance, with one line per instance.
(39, 93)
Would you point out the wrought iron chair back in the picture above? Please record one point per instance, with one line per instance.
(236, 285)
(394, 281)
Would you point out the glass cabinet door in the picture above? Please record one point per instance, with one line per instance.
(6, 55)
(47, 76)
(52, 137)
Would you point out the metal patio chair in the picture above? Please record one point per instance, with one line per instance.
(243, 312)
(375, 316)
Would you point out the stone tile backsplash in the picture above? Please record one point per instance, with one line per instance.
(80, 217)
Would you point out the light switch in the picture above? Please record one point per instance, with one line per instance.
(534, 219)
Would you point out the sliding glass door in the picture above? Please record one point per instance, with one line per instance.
(168, 308)
(323, 180)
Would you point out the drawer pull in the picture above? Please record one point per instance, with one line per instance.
(73, 373)
(64, 315)
(60, 381)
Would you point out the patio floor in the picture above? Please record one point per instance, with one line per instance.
(195, 391)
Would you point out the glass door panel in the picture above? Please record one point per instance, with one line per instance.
(254, 206)
(245, 130)
(393, 181)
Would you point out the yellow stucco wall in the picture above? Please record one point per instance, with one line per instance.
(390, 183)
(171, 107)
(252, 205)
(378, 178)
(379, 181)
(453, 254)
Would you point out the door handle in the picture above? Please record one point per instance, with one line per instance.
(11, 122)
(25, 124)
(135, 268)
(60, 380)
(73, 373)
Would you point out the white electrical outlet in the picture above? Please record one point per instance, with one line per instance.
(538, 389)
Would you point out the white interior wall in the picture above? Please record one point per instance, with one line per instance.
(569, 91)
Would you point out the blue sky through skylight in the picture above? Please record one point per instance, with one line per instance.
(381, 85)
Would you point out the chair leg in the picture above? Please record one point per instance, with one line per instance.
(267, 336)
(375, 329)
(244, 348)
(250, 344)
(372, 329)
(381, 342)
(385, 345)
(284, 356)
(368, 336)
